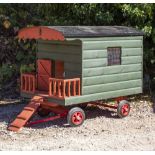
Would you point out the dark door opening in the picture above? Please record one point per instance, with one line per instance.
(58, 69)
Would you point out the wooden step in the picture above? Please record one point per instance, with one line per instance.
(26, 114)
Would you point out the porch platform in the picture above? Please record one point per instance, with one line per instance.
(43, 94)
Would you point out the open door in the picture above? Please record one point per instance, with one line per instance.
(44, 73)
(59, 69)
(47, 69)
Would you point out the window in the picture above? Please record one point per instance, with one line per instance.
(114, 56)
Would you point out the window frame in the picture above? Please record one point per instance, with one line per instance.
(113, 59)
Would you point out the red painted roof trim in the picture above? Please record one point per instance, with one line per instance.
(40, 32)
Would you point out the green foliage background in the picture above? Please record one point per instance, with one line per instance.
(13, 53)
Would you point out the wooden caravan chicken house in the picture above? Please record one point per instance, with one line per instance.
(81, 64)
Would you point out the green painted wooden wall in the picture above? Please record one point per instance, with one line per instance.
(100, 81)
(88, 59)
(68, 51)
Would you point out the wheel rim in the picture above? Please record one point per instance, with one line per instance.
(125, 109)
(77, 118)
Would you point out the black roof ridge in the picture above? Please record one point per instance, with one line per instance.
(97, 31)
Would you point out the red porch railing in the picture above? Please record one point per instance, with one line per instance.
(28, 83)
(62, 88)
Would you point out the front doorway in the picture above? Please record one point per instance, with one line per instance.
(44, 73)
(47, 69)
(58, 69)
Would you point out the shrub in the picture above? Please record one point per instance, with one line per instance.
(7, 71)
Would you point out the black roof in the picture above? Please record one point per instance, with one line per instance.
(97, 31)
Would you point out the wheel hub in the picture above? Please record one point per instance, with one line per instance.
(77, 118)
(125, 109)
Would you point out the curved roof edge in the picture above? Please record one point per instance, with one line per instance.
(40, 32)
(62, 32)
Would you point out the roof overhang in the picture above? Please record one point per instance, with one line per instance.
(40, 32)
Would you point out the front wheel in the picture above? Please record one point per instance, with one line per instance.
(123, 108)
(75, 117)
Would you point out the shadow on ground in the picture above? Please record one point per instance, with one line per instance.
(90, 112)
(9, 112)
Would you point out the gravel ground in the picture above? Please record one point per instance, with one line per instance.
(102, 130)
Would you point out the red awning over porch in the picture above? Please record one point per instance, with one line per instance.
(40, 32)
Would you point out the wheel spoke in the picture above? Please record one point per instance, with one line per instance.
(77, 118)
(125, 109)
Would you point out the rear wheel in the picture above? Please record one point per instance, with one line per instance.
(123, 108)
(43, 112)
(75, 117)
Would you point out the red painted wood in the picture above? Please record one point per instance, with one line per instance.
(40, 32)
(59, 69)
(44, 120)
(74, 88)
(28, 83)
(26, 114)
(61, 88)
(69, 84)
(44, 73)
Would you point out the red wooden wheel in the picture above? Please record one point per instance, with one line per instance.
(123, 108)
(76, 117)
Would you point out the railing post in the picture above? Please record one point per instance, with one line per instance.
(69, 93)
(59, 91)
(54, 91)
(64, 89)
(28, 83)
(74, 87)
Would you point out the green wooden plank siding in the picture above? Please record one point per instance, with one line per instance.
(101, 45)
(89, 72)
(112, 86)
(131, 60)
(99, 78)
(94, 80)
(95, 63)
(100, 81)
(102, 95)
(88, 59)
(68, 51)
(102, 62)
(107, 38)
(58, 48)
(56, 56)
(132, 52)
(94, 54)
